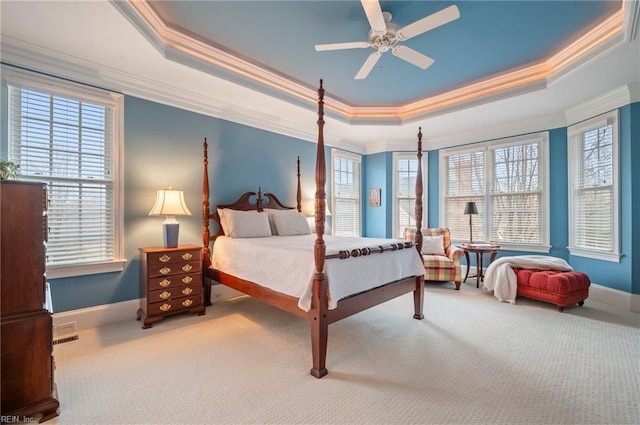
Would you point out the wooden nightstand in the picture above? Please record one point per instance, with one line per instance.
(170, 282)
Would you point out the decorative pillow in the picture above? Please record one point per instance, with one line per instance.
(291, 223)
(433, 245)
(246, 224)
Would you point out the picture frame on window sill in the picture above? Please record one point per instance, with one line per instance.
(374, 197)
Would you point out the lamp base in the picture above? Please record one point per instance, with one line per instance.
(170, 231)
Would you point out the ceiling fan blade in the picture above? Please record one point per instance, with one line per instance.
(412, 56)
(374, 15)
(342, 46)
(430, 22)
(368, 65)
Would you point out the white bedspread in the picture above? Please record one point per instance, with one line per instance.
(285, 264)
(501, 279)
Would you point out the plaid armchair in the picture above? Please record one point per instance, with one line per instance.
(441, 258)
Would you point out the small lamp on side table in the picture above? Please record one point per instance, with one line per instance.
(170, 203)
(470, 209)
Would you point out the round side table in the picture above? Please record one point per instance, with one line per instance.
(479, 250)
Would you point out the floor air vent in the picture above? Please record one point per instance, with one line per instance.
(66, 339)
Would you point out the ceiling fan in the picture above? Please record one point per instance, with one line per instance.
(385, 35)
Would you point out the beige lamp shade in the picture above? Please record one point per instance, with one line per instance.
(170, 202)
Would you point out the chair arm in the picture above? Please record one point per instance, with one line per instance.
(454, 253)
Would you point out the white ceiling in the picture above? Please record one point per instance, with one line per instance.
(95, 43)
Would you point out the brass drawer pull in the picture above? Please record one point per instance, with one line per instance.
(165, 295)
(187, 279)
(165, 307)
(187, 256)
(187, 302)
(187, 267)
(165, 258)
(164, 283)
(187, 291)
(165, 270)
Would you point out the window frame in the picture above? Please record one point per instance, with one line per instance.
(335, 153)
(22, 79)
(574, 139)
(395, 214)
(487, 149)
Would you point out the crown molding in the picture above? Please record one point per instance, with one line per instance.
(21, 55)
(185, 49)
(631, 19)
(606, 102)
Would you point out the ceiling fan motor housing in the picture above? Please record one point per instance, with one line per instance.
(387, 40)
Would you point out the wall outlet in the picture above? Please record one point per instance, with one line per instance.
(65, 328)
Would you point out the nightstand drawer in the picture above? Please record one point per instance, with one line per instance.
(167, 282)
(170, 306)
(168, 257)
(174, 292)
(174, 268)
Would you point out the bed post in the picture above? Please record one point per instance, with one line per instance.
(206, 253)
(319, 302)
(299, 190)
(418, 293)
(419, 191)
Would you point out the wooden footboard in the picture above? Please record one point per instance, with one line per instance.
(319, 316)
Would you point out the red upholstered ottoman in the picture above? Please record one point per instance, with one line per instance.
(556, 287)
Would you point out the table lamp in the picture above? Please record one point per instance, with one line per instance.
(170, 203)
(470, 209)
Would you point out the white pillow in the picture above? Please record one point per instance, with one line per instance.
(246, 224)
(433, 245)
(271, 212)
(223, 221)
(291, 223)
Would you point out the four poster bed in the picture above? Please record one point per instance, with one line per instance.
(320, 278)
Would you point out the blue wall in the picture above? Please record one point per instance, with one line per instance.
(625, 275)
(163, 146)
(378, 174)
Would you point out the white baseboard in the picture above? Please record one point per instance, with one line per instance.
(621, 300)
(221, 293)
(101, 315)
(107, 314)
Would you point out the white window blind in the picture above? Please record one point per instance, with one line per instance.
(68, 142)
(345, 216)
(464, 182)
(593, 202)
(516, 195)
(404, 211)
(507, 181)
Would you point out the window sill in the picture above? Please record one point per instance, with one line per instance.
(613, 257)
(55, 272)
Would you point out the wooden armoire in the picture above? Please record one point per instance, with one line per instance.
(26, 335)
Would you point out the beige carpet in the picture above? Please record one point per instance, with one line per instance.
(472, 360)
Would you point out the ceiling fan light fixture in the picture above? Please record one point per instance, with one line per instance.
(385, 35)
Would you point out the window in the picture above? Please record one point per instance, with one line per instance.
(345, 216)
(508, 182)
(464, 181)
(67, 136)
(405, 168)
(593, 188)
